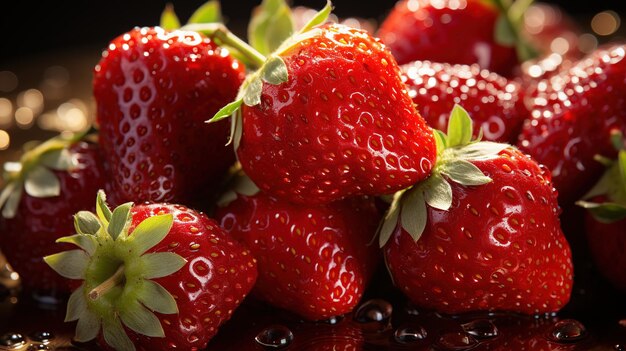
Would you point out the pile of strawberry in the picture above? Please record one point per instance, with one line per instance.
(330, 144)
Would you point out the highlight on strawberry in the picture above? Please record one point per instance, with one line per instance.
(154, 276)
(481, 233)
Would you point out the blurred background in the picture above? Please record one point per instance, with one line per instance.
(48, 50)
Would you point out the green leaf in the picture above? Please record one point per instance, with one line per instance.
(41, 182)
(226, 111)
(245, 186)
(169, 20)
(438, 193)
(209, 12)
(414, 213)
(617, 139)
(390, 221)
(139, 319)
(504, 34)
(70, 264)
(607, 212)
(319, 18)
(238, 130)
(275, 71)
(86, 222)
(60, 160)
(115, 336)
(76, 305)
(150, 232)
(621, 164)
(459, 127)
(440, 140)
(88, 326)
(252, 92)
(161, 264)
(517, 10)
(271, 24)
(12, 195)
(481, 151)
(86, 242)
(157, 298)
(102, 208)
(465, 173)
(119, 220)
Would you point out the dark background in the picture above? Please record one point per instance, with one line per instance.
(29, 28)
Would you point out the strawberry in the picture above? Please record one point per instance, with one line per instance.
(495, 102)
(326, 117)
(606, 217)
(51, 182)
(482, 233)
(572, 116)
(153, 90)
(155, 276)
(464, 32)
(314, 260)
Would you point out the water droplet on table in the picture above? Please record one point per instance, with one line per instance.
(12, 340)
(568, 330)
(42, 336)
(456, 341)
(374, 314)
(481, 329)
(274, 337)
(410, 334)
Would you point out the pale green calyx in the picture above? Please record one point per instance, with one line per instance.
(209, 12)
(265, 52)
(455, 152)
(33, 173)
(117, 291)
(508, 27)
(240, 184)
(612, 185)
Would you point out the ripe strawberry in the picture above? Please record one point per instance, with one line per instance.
(448, 31)
(572, 115)
(496, 103)
(156, 276)
(154, 90)
(606, 218)
(50, 183)
(326, 117)
(313, 260)
(482, 233)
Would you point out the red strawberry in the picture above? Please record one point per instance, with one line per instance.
(156, 276)
(482, 233)
(496, 103)
(448, 31)
(313, 260)
(154, 90)
(572, 115)
(50, 183)
(327, 116)
(606, 218)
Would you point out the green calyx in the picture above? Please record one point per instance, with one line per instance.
(118, 290)
(508, 27)
(271, 34)
(209, 12)
(455, 152)
(612, 186)
(33, 173)
(240, 184)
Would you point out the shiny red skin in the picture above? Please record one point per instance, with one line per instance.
(342, 125)
(448, 31)
(572, 115)
(313, 260)
(495, 104)
(39, 222)
(154, 91)
(607, 244)
(498, 248)
(218, 275)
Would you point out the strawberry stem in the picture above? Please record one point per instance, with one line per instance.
(224, 36)
(115, 280)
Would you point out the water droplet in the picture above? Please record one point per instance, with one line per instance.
(409, 334)
(374, 315)
(12, 340)
(456, 341)
(334, 320)
(42, 336)
(275, 336)
(37, 347)
(568, 330)
(481, 329)
(619, 347)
